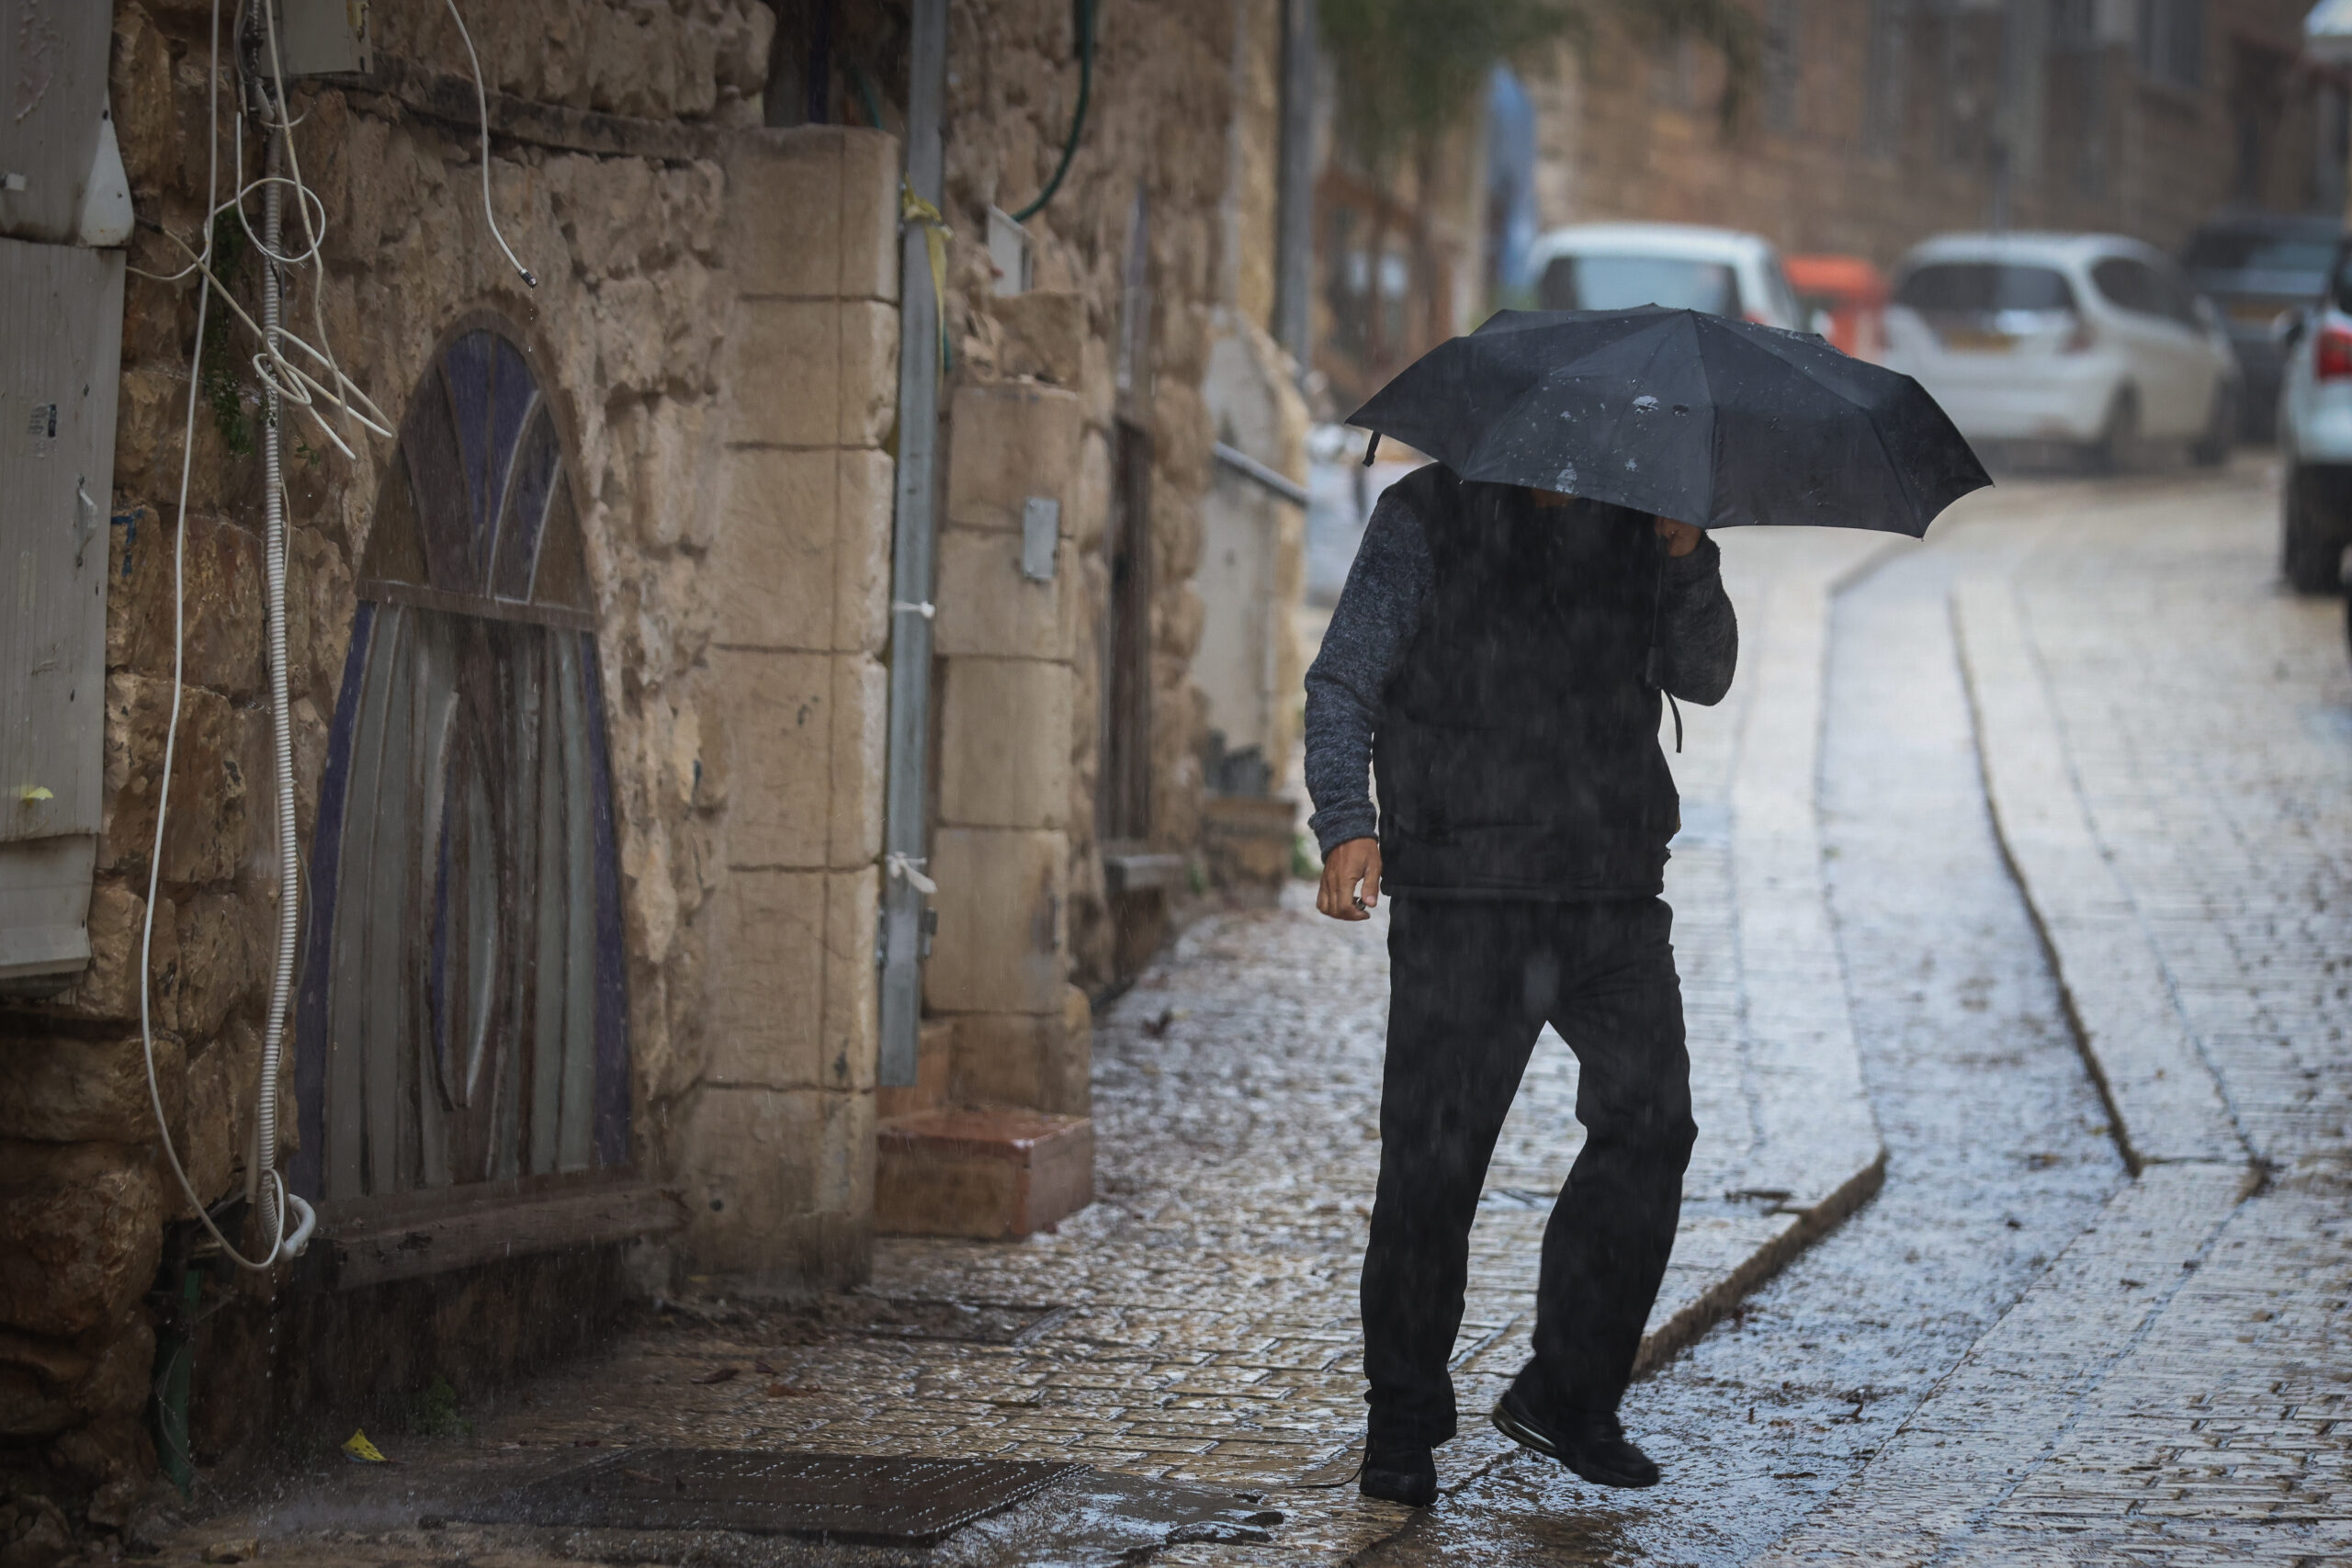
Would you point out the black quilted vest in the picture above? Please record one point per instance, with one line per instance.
(1517, 752)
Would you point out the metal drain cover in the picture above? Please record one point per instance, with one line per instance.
(850, 1497)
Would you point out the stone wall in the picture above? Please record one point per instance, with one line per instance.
(774, 1124)
(1252, 536)
(1154, 144)
(715, 324)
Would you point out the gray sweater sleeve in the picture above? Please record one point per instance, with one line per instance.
(1377, 614)
(1698, 635)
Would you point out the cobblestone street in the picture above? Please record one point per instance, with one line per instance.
(2172, 1390)
(2088, 1028)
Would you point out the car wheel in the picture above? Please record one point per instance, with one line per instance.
(2212, 448)
(2119, 437)
(2312, 532)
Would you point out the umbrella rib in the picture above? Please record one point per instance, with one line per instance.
(1538, 385)
(1658, 348)
(1714, 423)
(1902, 478)
(1773, 348)
(1902, 471)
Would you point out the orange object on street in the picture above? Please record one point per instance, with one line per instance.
(1851, 292)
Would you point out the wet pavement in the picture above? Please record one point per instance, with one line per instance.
(2174, 1389)
(1197, 1324)
(1997, 1148)
(1985, 1352)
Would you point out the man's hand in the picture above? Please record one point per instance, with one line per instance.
(1357, 861)
(1680, 538)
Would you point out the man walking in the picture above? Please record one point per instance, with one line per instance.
(1498, 657)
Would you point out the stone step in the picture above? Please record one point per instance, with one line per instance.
(990, 1172)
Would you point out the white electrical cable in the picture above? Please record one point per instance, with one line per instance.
(265, 1185)
(280, 1197)
(284, 381)
(287, 380)
(482, 103)
(324, 352)
(280, 374)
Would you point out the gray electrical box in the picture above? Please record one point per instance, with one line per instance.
(61, 195)
(317, 37)
(61, 345)
(53, 101)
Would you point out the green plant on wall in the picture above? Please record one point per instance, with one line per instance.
(1413, 72)
(223, 393)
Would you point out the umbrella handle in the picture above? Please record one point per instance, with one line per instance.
(1370, 448)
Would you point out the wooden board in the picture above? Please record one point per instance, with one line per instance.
(374, 1242)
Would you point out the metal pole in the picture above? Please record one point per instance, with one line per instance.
(904, 838)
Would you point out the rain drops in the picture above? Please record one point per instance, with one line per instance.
(1565, 480)
(1646, 404)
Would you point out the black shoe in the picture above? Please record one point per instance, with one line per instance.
(1407, 1475)
(1589, 1442)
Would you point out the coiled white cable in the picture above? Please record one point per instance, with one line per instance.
(284, 381)
(279, 1200)
(265, 1185)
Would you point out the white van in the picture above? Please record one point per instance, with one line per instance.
(1615, 267)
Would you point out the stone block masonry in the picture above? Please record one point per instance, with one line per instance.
(1002, 847)
(778, 1162)
(714, 336)
(1149, 186)
(1835, 155)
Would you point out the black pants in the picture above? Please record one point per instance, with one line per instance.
(1470, 986)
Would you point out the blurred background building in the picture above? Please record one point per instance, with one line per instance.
(1840, 133)
(1854, 126)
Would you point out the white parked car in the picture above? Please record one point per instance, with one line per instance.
(2093, 340)
(2315, 435)
(1614, 267)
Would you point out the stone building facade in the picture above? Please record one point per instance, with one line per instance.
(1871, 124)
(691, 421)
(1864, 127)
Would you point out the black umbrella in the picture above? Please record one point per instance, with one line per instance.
(1686, 415)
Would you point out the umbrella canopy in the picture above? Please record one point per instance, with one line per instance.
(1683, 414)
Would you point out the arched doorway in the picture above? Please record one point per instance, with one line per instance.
(462, 1014)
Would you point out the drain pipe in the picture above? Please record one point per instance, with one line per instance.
(263, 1188)
(1294, 189)
(906, 915)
